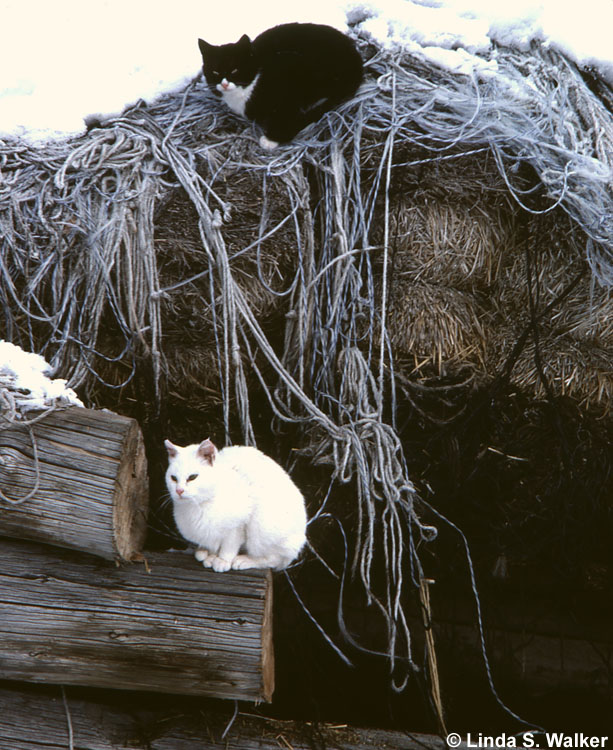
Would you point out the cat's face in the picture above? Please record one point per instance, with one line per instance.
(228, 66)
(189, 470)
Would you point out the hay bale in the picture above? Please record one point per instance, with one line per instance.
(544, 289)
(450, 226)
(564, 366)
(460, 284)
(443, 242)
(439, 327)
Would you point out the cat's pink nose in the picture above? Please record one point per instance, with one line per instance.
(180, 491)
(224, 84)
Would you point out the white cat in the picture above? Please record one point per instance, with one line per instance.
(237, 505)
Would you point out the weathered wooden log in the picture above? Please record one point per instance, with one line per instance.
(168, 625)
(90, 474)
(34, 718)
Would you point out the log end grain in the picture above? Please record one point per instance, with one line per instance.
(131, 500)
(268, 651)
(77, 478)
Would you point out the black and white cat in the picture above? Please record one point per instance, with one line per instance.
(284, 79)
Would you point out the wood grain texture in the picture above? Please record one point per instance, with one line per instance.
(93, 490)
(168, 626)
(35, 718)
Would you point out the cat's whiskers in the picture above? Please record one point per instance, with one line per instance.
(158, 523)
(165, 500)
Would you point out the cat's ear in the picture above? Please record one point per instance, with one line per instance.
(205, 47)
(172, 449)
(244, 41)
(207, 451)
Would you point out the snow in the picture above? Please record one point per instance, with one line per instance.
(64, 61)
(25, 379)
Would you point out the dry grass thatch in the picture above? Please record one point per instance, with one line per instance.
(472, 271)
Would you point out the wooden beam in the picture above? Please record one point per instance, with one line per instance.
(168, 626)
(93, 491)
(34, 718)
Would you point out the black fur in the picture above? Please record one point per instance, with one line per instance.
(304, 71)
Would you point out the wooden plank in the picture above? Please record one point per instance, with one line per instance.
(35, 718)
(93, 491)
(169, 626)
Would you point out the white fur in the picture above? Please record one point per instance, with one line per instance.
(242, 511)
(236, 97)
(267, 143)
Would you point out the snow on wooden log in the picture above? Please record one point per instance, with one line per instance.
(167, 626)
(81, 477)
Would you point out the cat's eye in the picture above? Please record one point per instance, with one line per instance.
(234, 71)
(173, 477)
(191, 477)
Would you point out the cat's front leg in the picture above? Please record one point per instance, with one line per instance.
(202, 555)
(228, 551)
(216, 563)
(211, 560)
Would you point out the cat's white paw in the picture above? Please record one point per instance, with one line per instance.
(208, 560)
(267, 143)
(243, 562)
(220, 565)
(201, 555)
